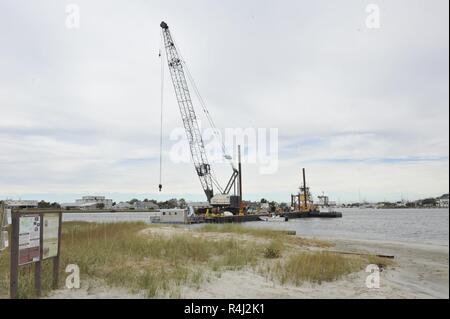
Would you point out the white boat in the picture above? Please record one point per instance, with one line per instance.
(272, 218)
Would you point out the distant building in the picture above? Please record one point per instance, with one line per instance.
(81, 206)
(97, 200)
(88, 203)
(139, 205)
(21, 203)
(145, 205)
(442, 201)
(123, 206)
(400, 204)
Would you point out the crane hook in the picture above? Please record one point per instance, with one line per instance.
(160, 187)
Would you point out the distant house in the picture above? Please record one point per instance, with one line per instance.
(123, 206)
(80, 206)
(145, 205)
(89, 202)
(443, 201)
(21, 203)
(107, 203)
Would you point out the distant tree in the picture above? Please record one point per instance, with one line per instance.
(429, 202)
(182, 203)
(134, 200)
(173, 203)
(55, 205)
(44, 204)
(263, 201)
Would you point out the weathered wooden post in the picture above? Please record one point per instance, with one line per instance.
(14, 258)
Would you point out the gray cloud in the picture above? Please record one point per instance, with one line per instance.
(80, 108)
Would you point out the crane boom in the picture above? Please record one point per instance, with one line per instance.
(188, 116)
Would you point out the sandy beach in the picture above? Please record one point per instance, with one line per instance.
(419, 271)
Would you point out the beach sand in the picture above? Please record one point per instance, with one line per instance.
(420, 271)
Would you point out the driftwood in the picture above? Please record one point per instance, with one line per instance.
(287, 232)
(360, 254)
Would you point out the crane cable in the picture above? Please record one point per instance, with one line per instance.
(210, 120)
(161, 56)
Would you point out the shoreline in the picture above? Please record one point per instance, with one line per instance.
(421, 271)
(372, 241)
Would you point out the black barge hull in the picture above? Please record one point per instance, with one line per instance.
(313, 215)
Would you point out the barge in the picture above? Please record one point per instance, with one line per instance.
(313, 214)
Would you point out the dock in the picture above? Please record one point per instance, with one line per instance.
(253, 218)
(293, 215)
(231, 219)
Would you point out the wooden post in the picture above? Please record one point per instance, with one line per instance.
(38, 265)
(240, 177)
(56, 260)
(14, 263)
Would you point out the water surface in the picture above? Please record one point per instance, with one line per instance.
(423, 226)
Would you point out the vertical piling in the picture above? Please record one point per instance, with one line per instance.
(240, 175)
(305, 193)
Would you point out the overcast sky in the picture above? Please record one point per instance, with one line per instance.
(364, 110)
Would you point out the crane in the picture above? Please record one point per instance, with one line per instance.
(194, 137)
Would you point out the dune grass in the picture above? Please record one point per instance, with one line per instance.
(118, 255)
(265, 233)
(318, 267)
(241, 230)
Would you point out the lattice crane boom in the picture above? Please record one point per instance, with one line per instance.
(188, 116)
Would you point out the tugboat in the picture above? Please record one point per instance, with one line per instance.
(303, 206)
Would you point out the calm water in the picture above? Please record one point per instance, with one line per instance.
(425, 226)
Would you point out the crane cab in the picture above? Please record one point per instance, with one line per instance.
(226, 202)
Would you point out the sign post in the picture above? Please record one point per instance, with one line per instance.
(14, 271)
(5, 220)
(56, 259)
(36, 236)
